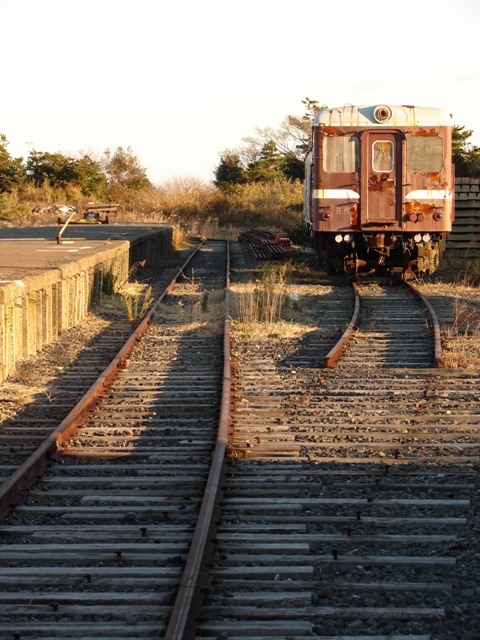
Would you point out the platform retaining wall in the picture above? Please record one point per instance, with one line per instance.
(152, 248)
(38, 309)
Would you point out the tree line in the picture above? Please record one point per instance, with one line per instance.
(270, 155)
(94, 177)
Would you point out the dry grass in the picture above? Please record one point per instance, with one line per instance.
(197, 207)
(270, 307)
(275, 204)
(455, 292)
(461, 338)
(200, 311)
(264, 300)
(137, 300)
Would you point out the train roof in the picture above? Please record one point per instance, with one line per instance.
(382, 114)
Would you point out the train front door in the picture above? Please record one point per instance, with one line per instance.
(382, 177)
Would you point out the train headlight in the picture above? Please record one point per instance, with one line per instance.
(426, 237)
(417, 237)
(338, 238)
(382, 113)
(347, 237)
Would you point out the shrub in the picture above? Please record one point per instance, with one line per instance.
(272, 204)
(12, 209)
(186, 201)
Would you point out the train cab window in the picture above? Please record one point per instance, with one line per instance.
(340, 154)
(382, 156)
(425, 153)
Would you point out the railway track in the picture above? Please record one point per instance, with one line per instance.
(24, 429)
(352, 492)
(347, 509)
(97, 546)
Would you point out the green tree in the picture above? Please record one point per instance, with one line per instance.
(123, 168)
(58, 170)
(268, 166)
(465, 156)
(230, 171)
(293, 167)
(12, 170)
(88, 174)
(53, 168)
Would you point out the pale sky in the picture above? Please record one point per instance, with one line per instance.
(181, 81)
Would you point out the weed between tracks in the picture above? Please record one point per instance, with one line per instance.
(264, 300)
(196, 309)
(137, 300)
(272, 308)
(456, 290)
(462, 338)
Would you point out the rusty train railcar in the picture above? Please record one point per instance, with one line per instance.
(379, 187)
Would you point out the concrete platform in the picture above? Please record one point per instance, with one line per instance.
(47, 288)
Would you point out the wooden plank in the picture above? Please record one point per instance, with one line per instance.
(126, 481)
(417, 561)
(46, 553)
(336, 637)
(402, 587)
(248, 519)
(296, 473)
(110, 582)
(93, 572)
(381, 485)
(143, 612)
(98, 597)
(281, 628)
(244, 539)
(186, 492)
(299, 598)
(123, 499)
(114, 452)
(284, 572)
(268, 503)
(85, 630)
(295, 549)
(312, 613)
(127, 531)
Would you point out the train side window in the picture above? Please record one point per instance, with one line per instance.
(340, 154)
(382, 156)
(425, 153)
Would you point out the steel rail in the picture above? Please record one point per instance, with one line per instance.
(334, 354)
(25, 476)
(182, 624)
(437, 338)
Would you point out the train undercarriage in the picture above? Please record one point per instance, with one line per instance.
(382, 252)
